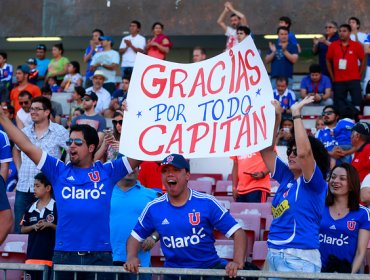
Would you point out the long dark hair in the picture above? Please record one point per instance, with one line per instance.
(353, 182)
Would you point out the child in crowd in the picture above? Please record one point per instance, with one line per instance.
(285, 133)
(39, 222)
(73, 78)
(33, 75)
(52, 82)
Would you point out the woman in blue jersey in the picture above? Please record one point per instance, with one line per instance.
(345, 225)
(293, 240)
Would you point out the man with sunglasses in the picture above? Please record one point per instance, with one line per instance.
(23, 117)
(91, 117)
(83, 190)
(48, 136)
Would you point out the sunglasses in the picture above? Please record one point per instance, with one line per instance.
(328, 113)
(290, 150)
(117, 122)
(77, 141)
(24, 102)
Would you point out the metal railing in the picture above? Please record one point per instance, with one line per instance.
(75, 269)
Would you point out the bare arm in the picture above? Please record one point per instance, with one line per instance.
(234, 178)
(330, 69)
(304, 151)
(291, 57)
(269, 57)
(6, 222)
(365, 195)
(4, 170)
(221, 19)
(17, 158)
(243, 19)
(240, 245)
(89, 55)
(132, 247)
(327, 93)
(363, 238)
(303, 92)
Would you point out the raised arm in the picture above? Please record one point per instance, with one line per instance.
(243, 19)
(304, 151)
(19, 138)
(268, 154)
(221, 19)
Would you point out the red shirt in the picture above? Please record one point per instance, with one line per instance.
(34, 90)
(150, 175)
(351, 53)
(361, 161)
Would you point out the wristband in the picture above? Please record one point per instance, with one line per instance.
(297, 117)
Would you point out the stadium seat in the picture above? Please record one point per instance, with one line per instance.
(311, 111)
(251, 224)
(225, 201)
(259, 253)
(366, 112)
(157, 258)
(13, 250)
(200, 186)
(265, 233)
(225, 248)
(309, 123)
(229, 177)
(264, 209)
(213, 177)
(223, 188)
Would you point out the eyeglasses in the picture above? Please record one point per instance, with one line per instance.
(36, 109)
(23, 103)
(290, 150)
(327, 113)
(117, 122)
(77, 141)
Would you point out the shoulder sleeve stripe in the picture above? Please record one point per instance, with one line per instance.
(155, 201)
(42, 160)
(211, 198)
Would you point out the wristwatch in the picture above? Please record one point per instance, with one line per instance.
(155, 238)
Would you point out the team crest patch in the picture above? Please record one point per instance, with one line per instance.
(169, 159)
(194, 218)
(351, 225)
(94, 176)
(50, 218)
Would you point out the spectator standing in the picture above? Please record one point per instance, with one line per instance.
(287, 22)
(39, 222)
(250, 178)
(56, 107)
(282, 56)
(344, 220)
(284, 95)
(129, 199)
(42, 64)
(23, 117)
(6, 75)
(317, 85)
(107, 62)
(94, 47)
(345, 72)
(46, 135)
(360, 140)
(237, 18)
(182, 214)
(82, 190)
(321, 45)
(356, 34)
(6, 215)
(58, 65)
(73, 78)
(91, 117)
(33, 75)
(130, 46)
(199, 54)
(160, 45)
(293, 240)
(21, 76)
(104, 96)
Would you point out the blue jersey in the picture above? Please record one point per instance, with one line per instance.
(280, 65)
(126, 207)
(297, 208)
(287, 99)
(83, 201)
(326, 136)
(339, 237)
(6, 73)
(87, 51)
(5, 151)
(186, 232)
(343, 131)
(319, 87)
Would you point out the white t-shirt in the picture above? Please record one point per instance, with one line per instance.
(104, 98)
(24, 117)
(108, 58)
(128, 58)
(232, 38)
(73, 81)
(361, 37)
(366, 182)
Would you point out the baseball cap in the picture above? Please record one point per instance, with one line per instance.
(177, 161)
(31, 61)
(41, 47)
(362, 128)
(91, 95)
(24, 68)
(108, 38)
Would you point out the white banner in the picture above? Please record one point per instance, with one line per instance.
(215, 108)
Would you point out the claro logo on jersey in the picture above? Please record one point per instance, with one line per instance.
(186, 241)
(333, 240)
(77, 193)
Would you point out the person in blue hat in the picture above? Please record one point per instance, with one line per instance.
(185, 220)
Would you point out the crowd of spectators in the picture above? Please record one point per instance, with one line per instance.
(310, 196)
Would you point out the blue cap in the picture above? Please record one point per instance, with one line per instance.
(108, 38)
(24, 68)
(177, 161)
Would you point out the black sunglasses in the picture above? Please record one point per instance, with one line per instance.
(290, 150)
(77, 141)
(117, 122)
(328, 113)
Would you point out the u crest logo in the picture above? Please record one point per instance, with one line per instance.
(351, 225)
(194, 218)
(94, 177)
